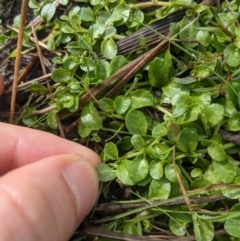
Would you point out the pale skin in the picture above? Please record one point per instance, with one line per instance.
(47, 185)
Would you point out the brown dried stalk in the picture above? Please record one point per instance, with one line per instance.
(18, 59)
(128, 237)
(114, 208)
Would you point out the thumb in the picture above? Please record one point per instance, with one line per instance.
(48, 199)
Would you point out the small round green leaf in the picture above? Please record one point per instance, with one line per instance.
(216, 151)
(158, 72)
(138, 168)
(233, 123)
(159, 130)
(51, 43)
(187, 140)
(136, 122)
(156, 169)
(52, 120)
(48, 11)
(110, 151)
(86, 14)
(122, 173)
(123, 11)
(96, 30)
(170, 173)
(101, 69)
(117, 63)
(66, 98)
(159, 151)
(121, 104)
(225, 171)
(130, 228)
(106, 104)
(90, 117)
(204, 230)
(196, 172)
(232, 227)
(188, 31)
(37, 87)
(214, 114)
(71, 62)
(105, 172)
(75, 21)
(178, 228)
(232, 54)
(83, 131)
(87, 64)
(138, 142)
(204, 37)
(109, 32)
(74, 48)
(159, 189)
(141, 98)
(109, 48)
(199, 183)
(61, 75)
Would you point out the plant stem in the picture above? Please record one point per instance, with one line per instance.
(163, 110)
(150, 4)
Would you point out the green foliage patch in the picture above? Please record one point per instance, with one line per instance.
(160, 134)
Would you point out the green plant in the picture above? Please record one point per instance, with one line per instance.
(162, 134)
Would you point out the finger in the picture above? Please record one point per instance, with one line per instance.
(46, 200)
(20, 146)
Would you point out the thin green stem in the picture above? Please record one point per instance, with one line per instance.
(135, 81)
(153, 3)
(163, 110)
(185, 173)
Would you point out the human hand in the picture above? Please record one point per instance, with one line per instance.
(48, 185)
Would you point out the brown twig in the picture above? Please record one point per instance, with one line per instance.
(180, 183)
(218, 6)
(128, 237)
(44, 77)
(24, 72)
(234, 138)
(113, 208)
(39, 50)
(18, 59)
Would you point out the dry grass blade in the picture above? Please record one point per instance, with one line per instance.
(180, 183)
(18, 59)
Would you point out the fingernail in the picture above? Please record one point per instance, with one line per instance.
(83, 182)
